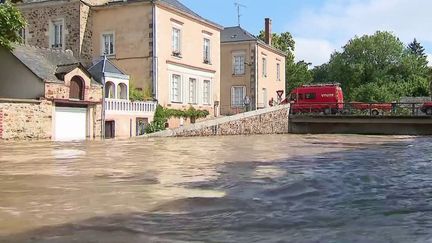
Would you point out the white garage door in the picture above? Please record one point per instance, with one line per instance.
(70, 123)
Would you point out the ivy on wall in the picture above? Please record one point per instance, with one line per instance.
(163, 114)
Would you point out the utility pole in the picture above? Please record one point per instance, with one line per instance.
(238, 6)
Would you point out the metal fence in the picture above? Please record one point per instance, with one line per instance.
(361, 109)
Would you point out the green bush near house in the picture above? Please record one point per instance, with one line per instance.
(163, 114)
(136, 94)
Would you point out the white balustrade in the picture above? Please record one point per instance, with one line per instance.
(127, 106)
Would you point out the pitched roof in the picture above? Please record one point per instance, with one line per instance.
(44, 62)
(236, 33)
(105, 66)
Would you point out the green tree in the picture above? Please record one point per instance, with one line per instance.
(418, 51)
(296, 73)
(376, 67)
(11, 22)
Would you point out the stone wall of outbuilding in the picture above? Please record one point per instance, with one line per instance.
(30, 119)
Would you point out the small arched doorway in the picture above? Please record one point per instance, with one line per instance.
(76, 88)
(122, 91)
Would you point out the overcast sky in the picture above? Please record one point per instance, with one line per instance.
(320, 27)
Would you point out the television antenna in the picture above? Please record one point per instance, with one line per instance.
(238, 6)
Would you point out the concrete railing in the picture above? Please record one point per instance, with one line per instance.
(127, 106)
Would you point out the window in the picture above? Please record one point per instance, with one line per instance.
(239, 65)
(176, 42)
(22, 34)
(206, 51)
(176, 88)
(278, 72)
(237, 95)
(57, 34)
(206, 92)
(264, 67)
(310, 96)
(192, 91)
(108, 44)
(76, 89)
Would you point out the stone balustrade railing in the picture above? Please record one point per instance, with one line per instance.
(127, 106)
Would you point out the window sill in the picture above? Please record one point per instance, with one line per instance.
(238, 75)
(109, 55)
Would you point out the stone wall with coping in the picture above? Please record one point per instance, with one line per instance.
(26, 119)
(272, 120)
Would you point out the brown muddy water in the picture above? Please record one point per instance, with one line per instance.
(287, 188)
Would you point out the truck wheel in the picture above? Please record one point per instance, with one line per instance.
(375, 112)
(429, 111)
(327, 111)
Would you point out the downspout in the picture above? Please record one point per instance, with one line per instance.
(256, 76)
(103, 99)
(155, 54)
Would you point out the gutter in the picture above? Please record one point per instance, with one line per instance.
(103, 100)
(155, 54)
(256, 76)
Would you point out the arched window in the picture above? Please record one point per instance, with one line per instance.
(122, 91)
(76, 89)
(109, 90)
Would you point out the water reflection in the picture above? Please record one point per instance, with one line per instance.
(227, 189)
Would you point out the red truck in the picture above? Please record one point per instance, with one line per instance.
(427, 108)
(328, 99)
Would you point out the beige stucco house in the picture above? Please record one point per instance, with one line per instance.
(166, 49)
(252, 70)
(47, 94)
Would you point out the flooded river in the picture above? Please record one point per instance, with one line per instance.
(284, 188)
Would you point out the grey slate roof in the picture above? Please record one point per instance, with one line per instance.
(237, 33)
(44, 62)
(97, 70)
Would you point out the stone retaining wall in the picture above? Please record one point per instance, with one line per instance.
(272, 120)
(25, 120)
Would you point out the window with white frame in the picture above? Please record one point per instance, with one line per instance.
(278, 72)
(237, 96)
(264, 67)
(206, 92)
(176, 88)
(108, 44)
(192, 91)
(206, 51)
(239, 64)
(57, 33)
(176, 41)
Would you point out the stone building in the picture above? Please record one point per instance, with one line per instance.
(166, 48)
(47, 94)
(250, 68)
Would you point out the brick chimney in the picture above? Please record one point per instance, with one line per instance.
(268, 31)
